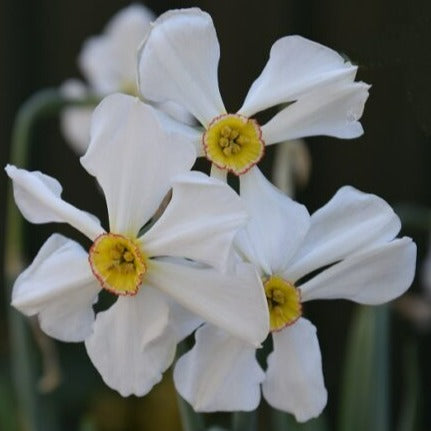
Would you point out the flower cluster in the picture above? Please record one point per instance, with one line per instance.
(184, 252)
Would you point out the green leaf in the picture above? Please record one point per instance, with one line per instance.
(409, 408)
(8, 416)
(364, 402)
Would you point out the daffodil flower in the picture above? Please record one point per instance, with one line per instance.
(178, 62)
(347, 249)
(108, 63)
(169, 277)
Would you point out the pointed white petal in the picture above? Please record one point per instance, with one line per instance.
(60, 287)
(129, 345)
(350, 222)
(220, 373)
(178, 62)
(295, 66)
(330, 111)
(276, 227)
(134, 159)
(38, 197)
(372, 277)
(109, 60)
(201, 207)
(294, 379)
(233, 301)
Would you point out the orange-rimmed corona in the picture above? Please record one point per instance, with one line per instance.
(234, 143)
(284, 302)
(118, 263)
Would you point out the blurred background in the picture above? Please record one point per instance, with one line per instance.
(389, 40)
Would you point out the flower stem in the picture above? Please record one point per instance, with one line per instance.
(244, 421)
(190, 420)
(44, 103)
(281, 421)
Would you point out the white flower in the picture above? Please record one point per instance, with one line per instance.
(135, 162)
(178, 62)
(291, 166)
(351, 242)
(108, 63)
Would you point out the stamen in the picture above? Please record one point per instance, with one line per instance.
(233, 142)
(118, 263)
(284, 302)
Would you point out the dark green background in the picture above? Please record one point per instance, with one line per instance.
(389, 40)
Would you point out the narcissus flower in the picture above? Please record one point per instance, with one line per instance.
(347, 249)
(108, 63)
(178, 62)
(168, 277)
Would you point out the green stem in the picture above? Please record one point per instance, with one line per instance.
(244, 421)
(410, 405)
(42, 104)
(190, 420)
(281, 421)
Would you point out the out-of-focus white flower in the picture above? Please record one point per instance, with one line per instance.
(426, 271)
(292, 166)
(108, 63)
(351, 244)
(178, 62)
(135, 163)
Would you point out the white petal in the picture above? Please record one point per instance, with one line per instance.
(330, 111)
(75, 126)
(220, 373)
(109, 61)
(180, 125)
(134, 159)
(295, 66)
(129, 345)
(372, 277)
(178, 113)
(178, 62)
(73, 89)
(350, 222)
(75, 121)
(201, 207)
(182, 321)
(277, 225)
(220, 174)
(294, 380)
(60, 287)
(38, 198)
(233, 301)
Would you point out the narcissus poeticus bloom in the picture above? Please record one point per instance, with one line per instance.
(178, 62)
(108, 63)
(169, 275)
(347, 249)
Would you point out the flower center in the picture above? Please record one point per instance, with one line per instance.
(118, 263)
(129, 87)
(233, 142)
(284, 302)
